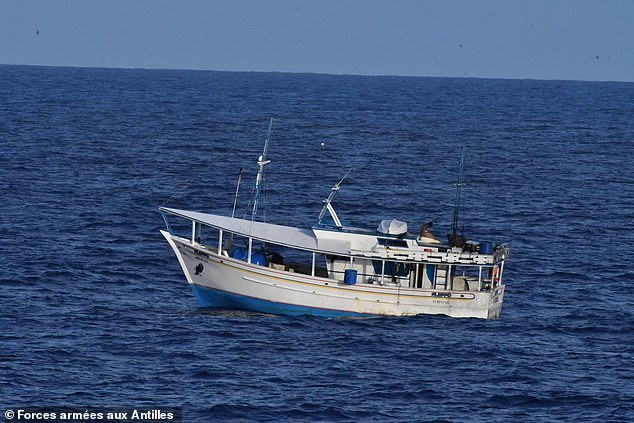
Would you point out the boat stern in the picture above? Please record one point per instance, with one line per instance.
(496, 298)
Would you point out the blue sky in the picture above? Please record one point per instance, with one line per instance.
(573, 39)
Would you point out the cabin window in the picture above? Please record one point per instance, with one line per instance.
(391, 268)
(391, 242)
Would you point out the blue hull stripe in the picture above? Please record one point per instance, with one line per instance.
(213, 298)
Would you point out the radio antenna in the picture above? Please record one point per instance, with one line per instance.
(262, 161)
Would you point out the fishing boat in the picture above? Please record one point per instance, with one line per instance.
(334, 270)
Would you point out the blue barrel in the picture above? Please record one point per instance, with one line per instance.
(242, 253)
(486, 248)
(258, 258)
(350, 277)
(239, 253)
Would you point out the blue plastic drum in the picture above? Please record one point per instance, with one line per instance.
(486, 248)
(350, 277)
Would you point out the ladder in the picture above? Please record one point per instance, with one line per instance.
(440, 279)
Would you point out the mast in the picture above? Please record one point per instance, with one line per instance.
(459, 185)
(262, 161)
(456, 240)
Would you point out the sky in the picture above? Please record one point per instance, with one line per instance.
(536, 39)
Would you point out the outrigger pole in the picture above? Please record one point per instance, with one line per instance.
(327, 203)
(262, 161)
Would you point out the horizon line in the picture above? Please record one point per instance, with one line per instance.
(158, 68)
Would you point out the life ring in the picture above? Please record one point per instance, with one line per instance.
(495, 271)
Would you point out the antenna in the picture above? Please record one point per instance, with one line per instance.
(262, 161)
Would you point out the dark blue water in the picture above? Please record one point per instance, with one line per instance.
(96, 312)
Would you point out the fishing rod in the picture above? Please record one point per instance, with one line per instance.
(233, 211)
(235, 197)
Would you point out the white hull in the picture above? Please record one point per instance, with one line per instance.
(223, 281)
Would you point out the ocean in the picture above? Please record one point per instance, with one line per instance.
(97, 313)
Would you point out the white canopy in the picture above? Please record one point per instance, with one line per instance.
(287, 236)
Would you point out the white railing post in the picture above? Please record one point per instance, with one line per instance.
(479, 278)
(249, 253)
(382, 270)
(312, 271)
(415, 284)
